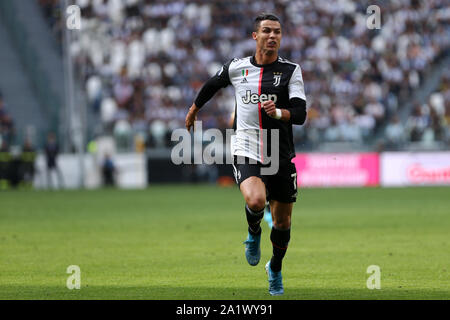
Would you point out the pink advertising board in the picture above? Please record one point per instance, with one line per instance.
(337, 169)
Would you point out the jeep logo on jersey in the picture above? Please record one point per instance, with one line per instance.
(255, 98)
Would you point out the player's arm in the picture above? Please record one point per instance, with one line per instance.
(296, 112)
(220, 80)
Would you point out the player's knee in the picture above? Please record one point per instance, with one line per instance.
(256, 202)
(282, 223)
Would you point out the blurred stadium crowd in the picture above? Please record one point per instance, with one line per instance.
(143, 62)
(15, 166)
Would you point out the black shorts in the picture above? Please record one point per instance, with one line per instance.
(281, 186)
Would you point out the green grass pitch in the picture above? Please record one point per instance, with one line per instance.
(185, 242)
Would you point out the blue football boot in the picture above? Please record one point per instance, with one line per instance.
(253, 249)
(275, 281)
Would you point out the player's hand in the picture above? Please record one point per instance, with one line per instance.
(191, 117)
(269, 107)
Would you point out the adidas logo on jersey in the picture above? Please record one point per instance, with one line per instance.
(256, 98)
(244, 80)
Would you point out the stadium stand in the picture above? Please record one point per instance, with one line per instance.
(6, 124)
(142, 63)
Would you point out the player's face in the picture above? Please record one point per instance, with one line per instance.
(268, 36)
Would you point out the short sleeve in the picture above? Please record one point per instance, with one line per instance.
(223, 74)
(296, 88)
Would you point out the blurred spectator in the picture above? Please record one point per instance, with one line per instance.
(5, 165)
(376, 111)
(158, 131)
(439, 103)
(51, 154)
(7, 130)
(122, 134)
(417, 123)
(28, 158)
(2, 107)
(394, 134)
(108, 171)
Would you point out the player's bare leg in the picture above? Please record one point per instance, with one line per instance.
(280, 236)
(254, 192)
(281, 214)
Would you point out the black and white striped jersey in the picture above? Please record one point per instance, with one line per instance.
(279, 81)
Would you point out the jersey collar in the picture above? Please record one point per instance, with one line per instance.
(253, 62)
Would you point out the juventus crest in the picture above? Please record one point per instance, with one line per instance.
(277, 78)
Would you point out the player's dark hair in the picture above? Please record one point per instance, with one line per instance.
(262, 17)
